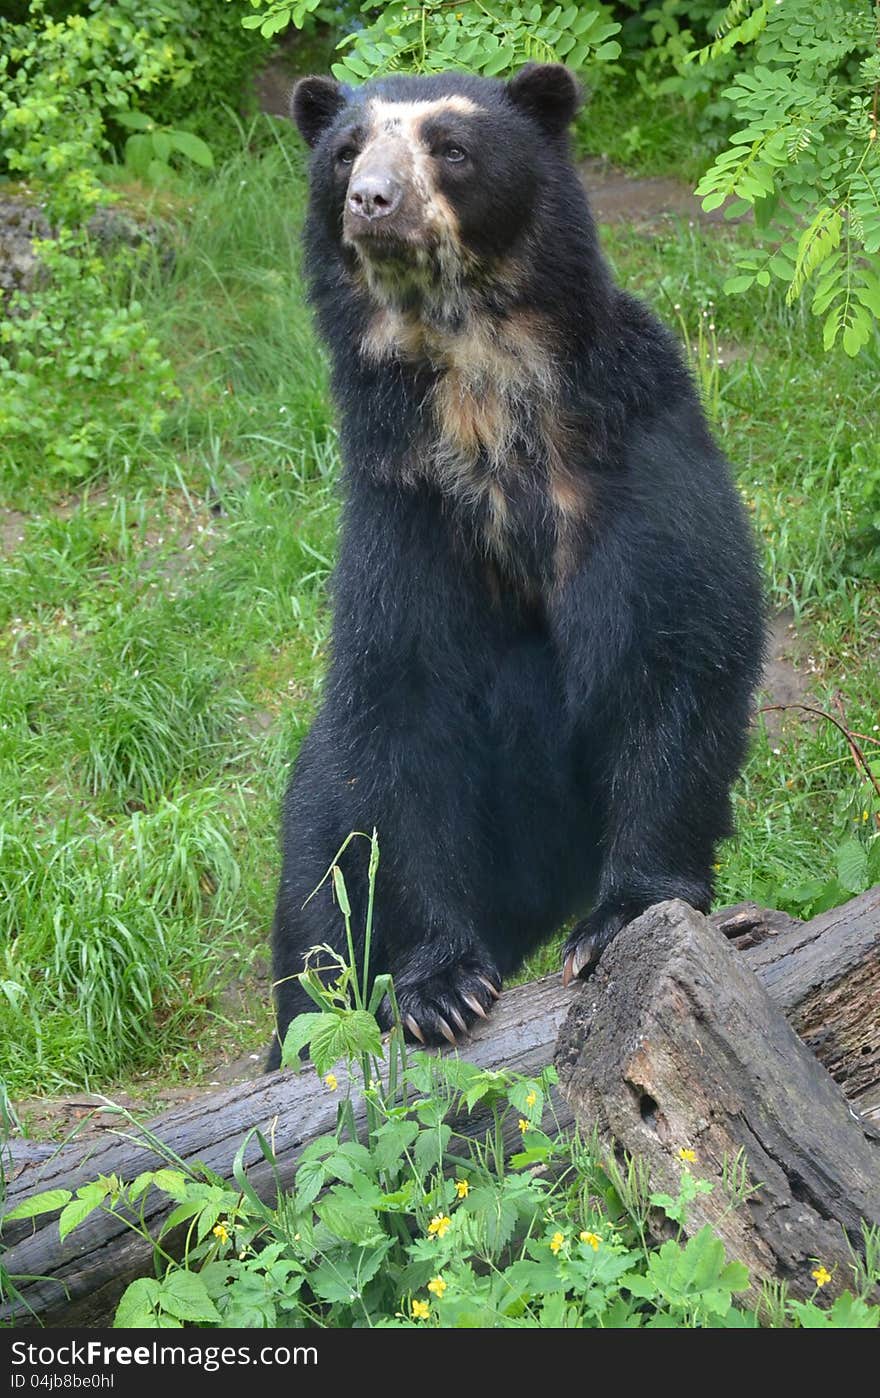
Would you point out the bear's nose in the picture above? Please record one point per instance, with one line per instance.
(374, 194)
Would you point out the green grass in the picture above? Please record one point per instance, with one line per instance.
(645, 133)
(164, 631)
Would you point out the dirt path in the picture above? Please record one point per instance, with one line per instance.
(616, 197)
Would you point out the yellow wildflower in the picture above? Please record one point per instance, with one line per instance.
(438, 1286)
(523, 1124)
(439, 1225)
(421, 1310)
(688, 1156)
(332, 1081)
(592, 1238)
(556, 1242)
(222, 1232)
(531, 1099)
(462, 1188)
(821, 1277)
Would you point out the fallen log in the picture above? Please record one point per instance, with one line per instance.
(675, 1045)
(77, 1283)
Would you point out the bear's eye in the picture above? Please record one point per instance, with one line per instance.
(346, 156)
(454, 154)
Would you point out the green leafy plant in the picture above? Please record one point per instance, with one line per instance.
(402, 1218)
(61, 81)
(73, 328)
(488, 38)
(805, 155)
(856, 857)
(151, 149)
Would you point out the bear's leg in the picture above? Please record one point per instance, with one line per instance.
(424, 928)
(669, 764)
(445, 978)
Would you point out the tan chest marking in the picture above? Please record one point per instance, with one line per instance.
(491, 378)
(496, 384)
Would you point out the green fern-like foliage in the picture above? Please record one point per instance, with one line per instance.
(480, 36)
(806, 155)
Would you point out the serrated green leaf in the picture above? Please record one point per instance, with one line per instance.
(171, 1182)
(140, 1184)
(528, 1099)
(310, 1178)
(188, 1209)
(298, 1035)
(73, 1214)
(852, 1313)
(852, 866)
(391, 1141)
(347, 1216)
(185, 1296)
(344, 1036)
(334, 1281)
(430, 1147)
(208, 1218)
(136, 1309)
(44, 1203)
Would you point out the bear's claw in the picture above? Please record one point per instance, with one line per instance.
(413, 1028)
(445, 1005)
(446, 1031)
(475, 1005)
(589, 939)
(579, 957)
(460, 1023)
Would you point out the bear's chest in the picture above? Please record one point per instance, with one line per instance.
(508, 469)
(490, 435)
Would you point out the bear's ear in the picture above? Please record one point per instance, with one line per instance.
(314, 104)
(548, 92)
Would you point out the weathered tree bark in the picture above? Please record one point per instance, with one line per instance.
(78, 1282)
(675, 1044)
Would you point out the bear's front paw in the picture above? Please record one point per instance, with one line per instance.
(438, 1006)
(581, 953)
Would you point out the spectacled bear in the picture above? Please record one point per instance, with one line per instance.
(547, 613)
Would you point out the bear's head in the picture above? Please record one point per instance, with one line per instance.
(427, 184)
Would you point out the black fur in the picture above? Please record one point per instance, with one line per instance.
(531, 747)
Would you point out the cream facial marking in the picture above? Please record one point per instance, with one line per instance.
(429, 263)
(417, 111)
(395, 136)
